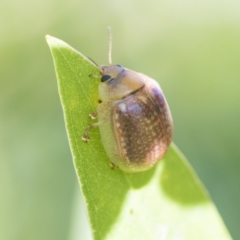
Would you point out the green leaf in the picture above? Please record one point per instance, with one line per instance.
(165, 202)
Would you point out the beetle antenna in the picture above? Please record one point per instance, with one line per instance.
(110, 45)
(93, 62)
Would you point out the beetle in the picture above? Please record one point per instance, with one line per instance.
(134, 119)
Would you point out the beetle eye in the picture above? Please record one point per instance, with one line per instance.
(105, 78)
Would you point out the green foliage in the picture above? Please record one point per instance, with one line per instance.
(166, 202)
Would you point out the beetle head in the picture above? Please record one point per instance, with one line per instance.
(118, 82)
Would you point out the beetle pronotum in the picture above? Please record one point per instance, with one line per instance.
(134, 119)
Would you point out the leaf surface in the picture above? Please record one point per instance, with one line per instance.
(165, 202)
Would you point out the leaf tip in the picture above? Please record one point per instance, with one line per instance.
(49, 38)
(55, 42)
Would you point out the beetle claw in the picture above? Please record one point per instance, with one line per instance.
(93, 115)
(112, 165)
(85, 137)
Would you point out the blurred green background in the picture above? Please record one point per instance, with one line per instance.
(191, 47)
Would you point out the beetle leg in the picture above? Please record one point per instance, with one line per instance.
(85, 136)
(93, 115)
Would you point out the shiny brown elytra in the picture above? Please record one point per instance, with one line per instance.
(134, 119)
